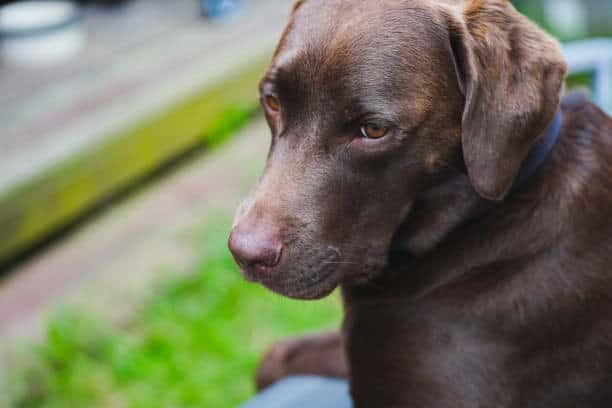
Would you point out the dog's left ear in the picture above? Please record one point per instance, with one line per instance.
(512, 75)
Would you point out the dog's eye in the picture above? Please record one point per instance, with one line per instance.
(373, 131)
(272, 103)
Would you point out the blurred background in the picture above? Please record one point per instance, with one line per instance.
(130, 132)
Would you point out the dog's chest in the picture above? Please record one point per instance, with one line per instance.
(438, 356)
(420, 357)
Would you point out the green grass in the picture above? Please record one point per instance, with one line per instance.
(195, 344)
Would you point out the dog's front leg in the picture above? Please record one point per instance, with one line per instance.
(321, 355)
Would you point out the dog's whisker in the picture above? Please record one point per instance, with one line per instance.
(339, 262)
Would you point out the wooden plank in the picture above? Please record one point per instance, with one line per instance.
(34, 210)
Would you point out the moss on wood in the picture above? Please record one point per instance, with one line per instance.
(44, 204)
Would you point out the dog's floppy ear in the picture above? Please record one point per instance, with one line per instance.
(512, 75)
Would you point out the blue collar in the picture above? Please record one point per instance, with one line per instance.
(539, 152)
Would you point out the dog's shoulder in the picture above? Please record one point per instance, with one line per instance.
(580, 110)
(575, 100)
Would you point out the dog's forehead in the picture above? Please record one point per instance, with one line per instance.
(332, 33)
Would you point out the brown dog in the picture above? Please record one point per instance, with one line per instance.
(399, 129)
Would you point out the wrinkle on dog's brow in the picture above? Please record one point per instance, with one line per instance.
(297, 6)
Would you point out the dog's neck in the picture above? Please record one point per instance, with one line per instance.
(443, 208)
(539, 152)
(436, 213)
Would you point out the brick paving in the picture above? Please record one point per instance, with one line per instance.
(110, 265)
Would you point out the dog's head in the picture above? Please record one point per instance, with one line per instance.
(369, 103)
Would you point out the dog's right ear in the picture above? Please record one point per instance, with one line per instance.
(512, 75)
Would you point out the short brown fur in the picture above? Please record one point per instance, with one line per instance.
(459, 292)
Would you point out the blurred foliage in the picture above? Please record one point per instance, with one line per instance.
(591, 17)
(583, 80)
(196, 343)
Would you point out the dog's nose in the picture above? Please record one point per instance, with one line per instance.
(257, 249)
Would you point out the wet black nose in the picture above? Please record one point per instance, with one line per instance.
(256, 249)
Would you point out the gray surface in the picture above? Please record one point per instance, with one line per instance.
(304, 392)
(138, 61)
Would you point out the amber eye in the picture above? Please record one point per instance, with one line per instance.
(373, 131)
(272, 103)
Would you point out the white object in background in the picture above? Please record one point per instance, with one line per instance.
(40, 33)
(594, 57)
(568, 17)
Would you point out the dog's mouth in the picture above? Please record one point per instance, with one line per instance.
(312, 276)
(304, 277)
(313, 287)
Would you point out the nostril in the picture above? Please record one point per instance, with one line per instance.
(265, 255)
(256, 250)
(272, 256)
